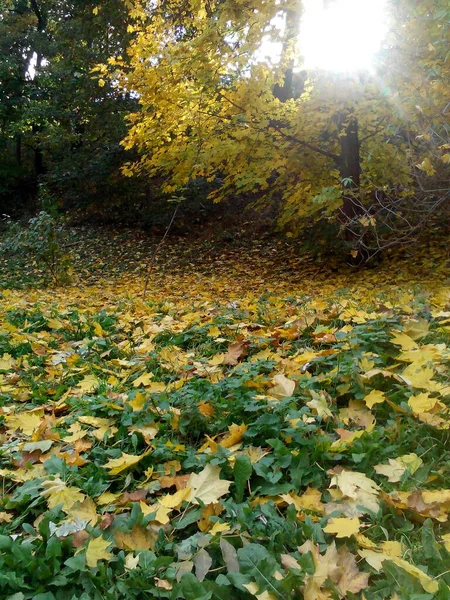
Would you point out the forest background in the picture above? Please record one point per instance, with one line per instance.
(94, 127)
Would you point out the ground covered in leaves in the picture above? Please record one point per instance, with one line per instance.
(259, 427)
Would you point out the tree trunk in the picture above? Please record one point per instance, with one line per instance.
(350, 171)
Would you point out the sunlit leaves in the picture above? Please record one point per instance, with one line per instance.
(296, 470)
(207, 486)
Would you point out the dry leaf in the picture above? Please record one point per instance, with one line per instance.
(207, 486)
(96, 550)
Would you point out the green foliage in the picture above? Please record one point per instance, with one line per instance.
(176, 388)
(43, 241)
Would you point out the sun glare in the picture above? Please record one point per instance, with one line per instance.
(341, 35)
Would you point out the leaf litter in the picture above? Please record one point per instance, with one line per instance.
(233, 436)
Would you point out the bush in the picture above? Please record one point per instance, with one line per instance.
(43, 240)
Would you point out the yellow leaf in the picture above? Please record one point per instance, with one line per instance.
(319, 404)
(310, 500)
(396, 468)
(427, 167)
(234, 436)
(5, 517)
(445, 158)
(343, 527)
(57, 493)
(404, 341)
(85, 511)
(96, 550)
(136, 539)
(422, 403)
(155, 387)
(6, 362)
(362, 490)
(98, 329)
(446, 540)
(94, 421)
(144, 380)
(88, 384)
(138, 402)
(283, 386)
(174, 500)
(419, 376)
(374, 559)
(374, 397)
(161, 512)
(219, 528)
(429, 585)
(207, 410)
(28, 422)
(117, 465)
(214, 332)
(417, 328)
(253, 589)
(107, 498)
(207, 486)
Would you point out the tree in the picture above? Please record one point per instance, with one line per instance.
(324, 146)
(64, 129)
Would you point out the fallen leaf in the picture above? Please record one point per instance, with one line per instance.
(136, 539)
(283, 386)
(117, 465)
(207, 486)
(343, 527)
(97, 550)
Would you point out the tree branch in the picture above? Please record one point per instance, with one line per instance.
(291, 138)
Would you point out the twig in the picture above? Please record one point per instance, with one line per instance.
(151, 264)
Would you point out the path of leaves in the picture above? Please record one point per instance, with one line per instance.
(216, 443)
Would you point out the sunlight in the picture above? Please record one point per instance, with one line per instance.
(343, 36)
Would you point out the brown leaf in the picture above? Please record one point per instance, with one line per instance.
(179, 481)
(136, 539)
(350, 578)
(106, 521)
(135, 496)
(210, 510)
(235, 351)
(79, 538)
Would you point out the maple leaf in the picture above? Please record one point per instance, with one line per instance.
(6, 362)
(396, 468)
(219, 528)
(57, 492)
(362, 491)
(174, 500)
(320, 404)
(310, 500)
(283, 386)
(374, 397)
(88, 384)
(422, 402)
(351, 579)
(429, 585)
(85, 511)
(234, 436)
(117, 465)
(138, 402)
(343, 527)
(207, 486)
(145, 380)
(234, 352)
(136, 539)
(97, 550)
(5, 517)
(28, 421)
